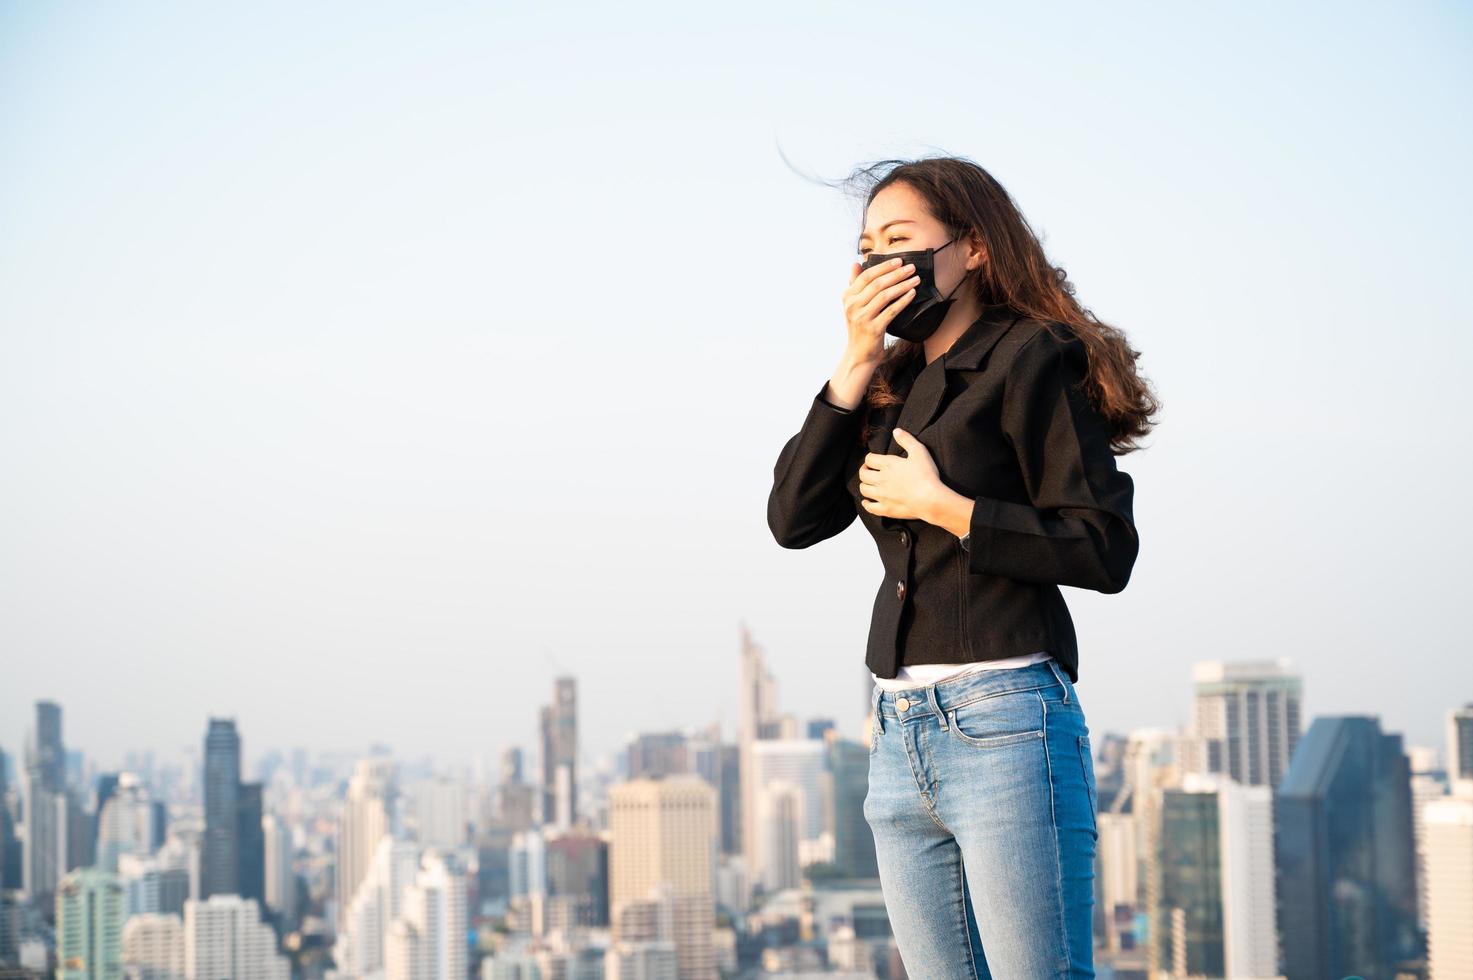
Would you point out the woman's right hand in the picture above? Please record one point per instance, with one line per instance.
(871, 300)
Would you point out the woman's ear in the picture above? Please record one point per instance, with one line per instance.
(978, 256)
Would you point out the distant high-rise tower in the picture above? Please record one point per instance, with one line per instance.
(427, 941)
(125, 824)
(281, 878)
(252, 838)
(89, 926)
(1211, 904)
(560, 755)
(757, 719)
(47, 807)
(1245, 723)
(225, 937)
(1344, 854)
(1460, 743)
(367, 816)
(153, 946)
(220, 848)
(661, 847)
(1448, 824)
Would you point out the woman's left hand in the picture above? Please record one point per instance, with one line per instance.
(901, 486)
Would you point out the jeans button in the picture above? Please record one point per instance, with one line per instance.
(902, 703)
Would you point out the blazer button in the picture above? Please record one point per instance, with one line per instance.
(900, 589)
(904, 537)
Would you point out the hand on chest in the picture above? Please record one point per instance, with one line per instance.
(956, 414)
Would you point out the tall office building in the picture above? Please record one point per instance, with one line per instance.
(440, 812)
(662, 846)
(1460, 743)
(577, 875)
(225, 937)
(281, 877)
(518, 802)
(10, 873)
(1344, 854)
(854, 843)
(220, 849)
(47, 806)
(125, 825)
(1212, 907)
(729, 795)
(757, 720)
(1245, 722)
(427, 941)
(1448, 825)
(252, 843)
(360, 946)
(366, 818)
(89, 926)
(153, 884)
(780, 817)
(560, 755)
(153, 946)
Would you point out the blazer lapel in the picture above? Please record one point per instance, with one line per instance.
(923, 402)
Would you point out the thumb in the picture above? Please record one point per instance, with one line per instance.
(903, 437)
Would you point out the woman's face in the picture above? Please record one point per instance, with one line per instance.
(898, 221)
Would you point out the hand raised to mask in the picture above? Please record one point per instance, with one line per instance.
(901, 487)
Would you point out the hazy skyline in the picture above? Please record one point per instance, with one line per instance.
(333, 337)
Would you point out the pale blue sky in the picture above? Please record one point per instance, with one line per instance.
(335, 340)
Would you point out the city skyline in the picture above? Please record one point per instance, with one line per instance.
(287, 292)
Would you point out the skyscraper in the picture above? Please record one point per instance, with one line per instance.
(366, 818)
(225, 937)
(1449, 829)
(89, 926)
(1245, 723)
(252, 844)
(1460, 743)
(220, 849)
(427, 941)
(1344, 854)
(757, 719)
(47, 813)
(560, 755)
(662, 841)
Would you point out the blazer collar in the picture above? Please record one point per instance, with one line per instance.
(965, 354)
(967, 351)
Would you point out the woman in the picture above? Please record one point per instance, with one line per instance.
(979, 451)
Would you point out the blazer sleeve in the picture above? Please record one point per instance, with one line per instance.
(1080, 528)
(809, 501)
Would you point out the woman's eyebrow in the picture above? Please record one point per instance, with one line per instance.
(897, 221)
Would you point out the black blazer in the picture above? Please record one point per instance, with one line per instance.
(1000, 416)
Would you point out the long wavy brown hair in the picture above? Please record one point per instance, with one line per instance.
(971, 203)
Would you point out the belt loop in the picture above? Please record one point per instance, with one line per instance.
(1053, 665)
(874, 701)
(936, 705)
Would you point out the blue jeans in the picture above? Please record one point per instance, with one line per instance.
(983, 805)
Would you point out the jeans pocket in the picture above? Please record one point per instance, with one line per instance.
(1002, 719)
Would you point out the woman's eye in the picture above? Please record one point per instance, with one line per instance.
(890, 241)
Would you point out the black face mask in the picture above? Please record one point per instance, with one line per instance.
(927, 308)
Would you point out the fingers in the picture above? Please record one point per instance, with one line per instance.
(888, 303)
(865, 284)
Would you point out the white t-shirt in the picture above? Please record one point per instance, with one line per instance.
(922, 675)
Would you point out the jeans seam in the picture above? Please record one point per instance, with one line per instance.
(961, 884)
(1063, 965)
